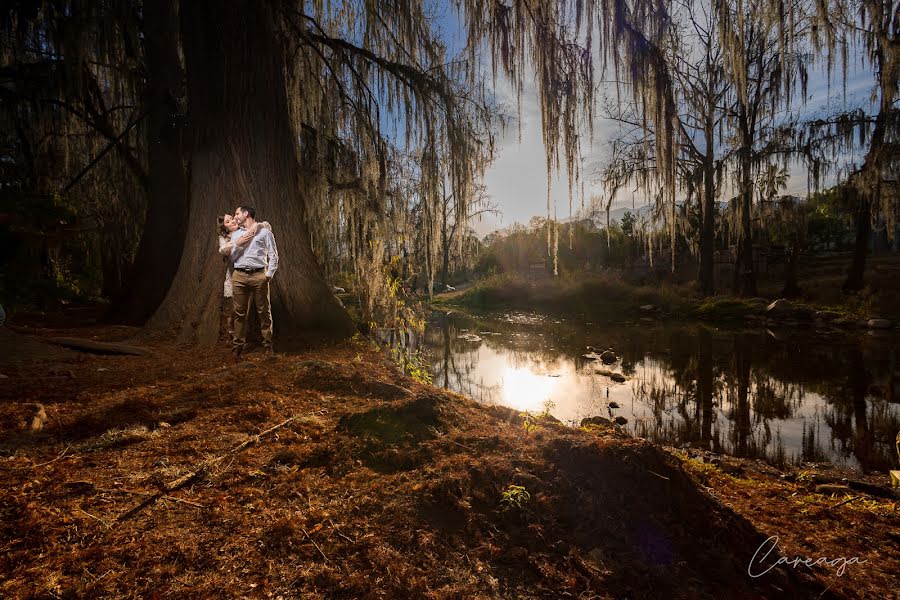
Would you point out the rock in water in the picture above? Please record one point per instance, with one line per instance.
(596, 421)
(613, 405)
(879, 324)
(608, 357)
(621, 421)
(618, 377)
(780, 308)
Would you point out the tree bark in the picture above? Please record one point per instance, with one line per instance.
(745, 274)
(244, 152)
(867, 181)
(856, 274)
(445, 249)
(791, 288)
(159, 251)
(708, 232)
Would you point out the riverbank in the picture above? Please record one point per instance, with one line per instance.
(330, 474)
(612, 299)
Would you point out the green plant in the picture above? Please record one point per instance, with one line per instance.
(415, 365)
(549, 405)
(805, 476)
(529, 423)
(514, 497)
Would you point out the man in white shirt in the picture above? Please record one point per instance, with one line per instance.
(255, 264)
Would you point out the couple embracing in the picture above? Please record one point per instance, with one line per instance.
(252, 259)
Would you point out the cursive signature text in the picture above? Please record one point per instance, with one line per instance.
(757, 568)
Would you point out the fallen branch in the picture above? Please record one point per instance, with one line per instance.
(50, 462)
(314, 544)
(341, 533)
(847, 501)
(97, 347)
(658, 475)
(140, 493)
(107, 525)
(199, 471)
(183, 501)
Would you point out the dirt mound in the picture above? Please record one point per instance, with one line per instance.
(325, 376)
(410, 422)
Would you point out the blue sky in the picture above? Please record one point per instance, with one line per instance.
(517, 180)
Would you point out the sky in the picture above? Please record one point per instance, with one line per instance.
(517, 180)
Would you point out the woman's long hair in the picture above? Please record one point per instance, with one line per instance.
(221, 231)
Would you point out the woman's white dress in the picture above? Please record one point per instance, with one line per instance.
(225, 246)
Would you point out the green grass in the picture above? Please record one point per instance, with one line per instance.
(726, 308)
(595, 296)
(613, 297)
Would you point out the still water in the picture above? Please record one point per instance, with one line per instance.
(784, 396)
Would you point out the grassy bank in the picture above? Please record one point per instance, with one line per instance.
(610, 298)
(595, 296)
(330, 474)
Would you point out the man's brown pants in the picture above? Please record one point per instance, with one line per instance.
(247, 286)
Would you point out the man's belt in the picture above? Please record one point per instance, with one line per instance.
(249, 271)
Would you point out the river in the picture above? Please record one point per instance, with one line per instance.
(786, 396)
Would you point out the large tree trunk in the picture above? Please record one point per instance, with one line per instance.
(707, 232)
(867, 181)
(165, 224)
(745, 266)
(791, 288)
(244, 152)
(744, 274)
(856, 274)
(445, 250)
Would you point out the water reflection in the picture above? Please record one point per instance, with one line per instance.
(783, 397)
(525, 390)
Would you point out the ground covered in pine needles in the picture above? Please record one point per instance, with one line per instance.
(329, 474)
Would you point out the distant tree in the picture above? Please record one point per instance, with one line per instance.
(627, 224)
(481, 205)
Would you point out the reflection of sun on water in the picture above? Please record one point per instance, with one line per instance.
(524, 390)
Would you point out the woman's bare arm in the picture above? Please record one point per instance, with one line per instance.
(225, 246)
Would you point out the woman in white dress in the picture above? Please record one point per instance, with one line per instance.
(225, 226)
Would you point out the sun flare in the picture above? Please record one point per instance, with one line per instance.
(525, 390)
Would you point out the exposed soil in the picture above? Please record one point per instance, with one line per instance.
(380, 487)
